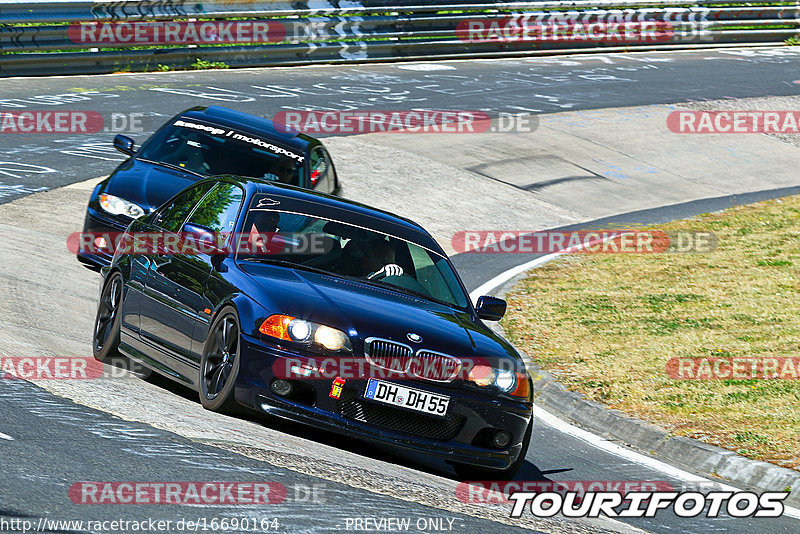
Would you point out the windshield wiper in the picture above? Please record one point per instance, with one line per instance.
(406, 291)
(174, 167)
(291, 264)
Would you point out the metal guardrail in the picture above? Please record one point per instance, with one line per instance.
(59, 37)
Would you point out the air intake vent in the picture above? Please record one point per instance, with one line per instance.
(399, 420)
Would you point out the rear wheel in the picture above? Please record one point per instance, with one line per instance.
(470, 472)
(219, 364)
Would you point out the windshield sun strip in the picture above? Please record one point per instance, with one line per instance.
(233, 130)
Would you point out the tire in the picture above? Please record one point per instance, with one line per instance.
(105, 339)
(219, 364)
(470, 472)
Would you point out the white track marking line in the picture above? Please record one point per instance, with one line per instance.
(504, 277)
(633, 456)
(584, 435)
(6, 436)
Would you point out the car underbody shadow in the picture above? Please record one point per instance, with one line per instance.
(375, 451)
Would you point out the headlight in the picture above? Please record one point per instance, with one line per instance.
(299, 330)
(117, 206)
(481, 375)
(291, 328)
(331, 339)
(514, 384)
(505, 381)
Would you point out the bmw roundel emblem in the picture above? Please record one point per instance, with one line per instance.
(416, 338)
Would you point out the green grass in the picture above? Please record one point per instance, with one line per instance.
(606, 325)
(202, 64)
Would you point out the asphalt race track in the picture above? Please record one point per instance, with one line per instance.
(541, 85)
(49, 442)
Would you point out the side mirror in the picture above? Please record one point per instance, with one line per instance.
(204, 237)
(490, 308)
(124, 144)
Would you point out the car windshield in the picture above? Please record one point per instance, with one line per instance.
(209, 149)
(307, 242)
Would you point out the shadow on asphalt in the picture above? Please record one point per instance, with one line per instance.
(384, 453)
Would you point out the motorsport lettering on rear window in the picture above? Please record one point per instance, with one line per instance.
(233, 134)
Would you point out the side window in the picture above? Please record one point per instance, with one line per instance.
(219, 209)
(171, 216)
(319, 168)
(331, 178)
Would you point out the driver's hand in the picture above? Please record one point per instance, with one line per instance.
(388, 270)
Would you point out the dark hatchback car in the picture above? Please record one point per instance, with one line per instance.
(369, 333)
(195, 144)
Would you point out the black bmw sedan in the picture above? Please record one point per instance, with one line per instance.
(308, 307)
(195, 144)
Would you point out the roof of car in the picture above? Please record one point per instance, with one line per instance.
(249, 123)
(323, 205)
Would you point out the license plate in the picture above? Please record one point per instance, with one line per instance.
(411, 398)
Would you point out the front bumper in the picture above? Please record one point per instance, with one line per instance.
(97, 222)
(459, 437)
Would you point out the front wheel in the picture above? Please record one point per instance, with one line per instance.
(467, 472)
(219, 364)
(105, 342)
(106, 324)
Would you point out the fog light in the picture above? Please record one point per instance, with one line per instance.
(502, 439)
(281, 387)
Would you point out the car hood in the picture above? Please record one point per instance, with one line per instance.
(366, 311)
(147, 184)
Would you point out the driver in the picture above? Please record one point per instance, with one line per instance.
(282, 171)
(262, 237)
(379, 260)
(191, 154)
